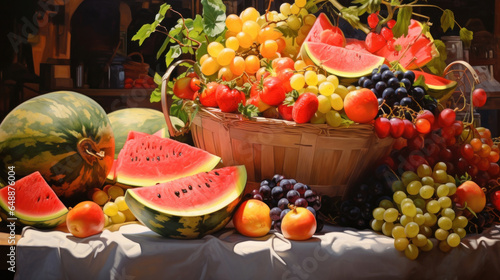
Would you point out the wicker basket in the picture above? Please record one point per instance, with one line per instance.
(329, 159)
(134, 69)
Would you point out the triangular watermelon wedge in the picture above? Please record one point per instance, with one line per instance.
(147, 160)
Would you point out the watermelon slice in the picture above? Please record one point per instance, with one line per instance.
(438, 87)
(189, 207)
(342, 62)
(35, 203)
(321, 24)
(146, 160)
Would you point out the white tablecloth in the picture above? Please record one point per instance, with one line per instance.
(135, 252)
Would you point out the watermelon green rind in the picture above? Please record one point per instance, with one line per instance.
(193, 222)
(138, 119)
(43, 133)
(342, 62)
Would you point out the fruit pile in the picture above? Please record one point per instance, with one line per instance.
(144, 81)
(111, 199)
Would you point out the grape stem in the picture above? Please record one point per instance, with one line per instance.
(185, 27)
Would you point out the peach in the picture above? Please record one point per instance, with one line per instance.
(252, 218)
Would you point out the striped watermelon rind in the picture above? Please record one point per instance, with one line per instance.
(189, 221)
(52, 133)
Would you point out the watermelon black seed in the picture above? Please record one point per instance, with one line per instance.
(184, 191)
(173, 152)
(210, 180)
(147, 158)
(207, 184)
(178, 194)
(199, 186)
(190, 187)
(216, 173)
(158, 195)
(38, 199)
(158, 158)
(132, 159)
(180, 153)
(135, 158)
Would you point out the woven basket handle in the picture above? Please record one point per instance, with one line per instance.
(136, 53)
(467, 65)
(164, 102)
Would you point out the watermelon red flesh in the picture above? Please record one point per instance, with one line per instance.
(339, 61)
(35, 201)
(146, 160)
(438, 87)
(322, 23)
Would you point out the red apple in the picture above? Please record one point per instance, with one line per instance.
(85, 219)
(252, 218)
(298, 224)
(469, 192)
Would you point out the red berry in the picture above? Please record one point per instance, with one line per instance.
(446, 117)
(374, 42)
(305, 107)
(479, 97)
(382, 127)
(285, 111)
(397, 127)
(387, 33)
(409, 129)
(373, 20)
(228, 99)
(391, 23)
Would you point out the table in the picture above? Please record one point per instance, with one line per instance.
(135, 252)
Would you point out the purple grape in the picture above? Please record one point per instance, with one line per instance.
(283, 203)
(265, 191)
(258, 197)
(301, 188)
(283, 213)
(292, 196)
(264, 182)
(277, 193)
(277, 178)
(316, 205)
(310, 195)
(277, 226)
(301, 202)
(254, 192)
(312, 210)
(275, 214)
(286, 185)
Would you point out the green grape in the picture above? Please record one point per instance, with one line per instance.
(430, 219)
(326, 88)
(118, 218)
(419, 219)
(411, 252)
(318, 118)
(300, 3)
(322, 79)
(453, 240)
(449, 213)
(412, 229)
(252, 28)
(409, 209)
(340, 90)
(419, 210)
(336, 102)
(249, 13)
(214, 48)
(406, 200)
(210, 66)
(294, 9)
(427, 247)
(420, 240)
(297, 81)
(335, 81)
(107, 220)
(285, 9)
(397, 186)
(351, 88)
(401, 243)
(440, 166)
(377, 225)
(311, 89)
(293, 22)
(424, 170)
(427, 180)
(299, 65)
(413, 188)
(129, 216)
(120, 202)
(451, 179)
(309, 19)
(333, 118)
(444, 247)
(386, 204)
(460, 222)
(441, 234)
(440, 176)
(232, 43)
(391, 215)
(398, 232)
(433, 206)
(408, 177)
(444, 223)
(426, 191)
(405, 220)
(311, 78)
(442, 190)
(452, 188)
(115, 191)
(324, 104)
(101, 197)
(460, 231)
(303, 12)
(398, 196)
(425, 230)
(387, 228)
(226, 56)
(237, 66)
(110, 209)
(234, 23)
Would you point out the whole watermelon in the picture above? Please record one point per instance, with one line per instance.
(144, 120)
(64, 135)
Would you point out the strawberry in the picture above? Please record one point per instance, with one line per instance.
(285, 111)
(305, 107)
(228, 98)
(207, 96)
(374, 42)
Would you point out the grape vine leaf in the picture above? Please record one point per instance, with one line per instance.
(447, 20)
(287, 31)
(214, 17)
(438, 64)
(174, 52)
(370, 6)
(177, 109)
(350, 14)
(402, 21)
(395, 3)
(466, 36)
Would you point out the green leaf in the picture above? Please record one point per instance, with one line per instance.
(214, 17)
(198, 24)
(287, 31)
(158, 79)
(173, 53)
(176, 109)
(466, 36)
(143, 33)
(311, 7)
(162, 49)
(395, 3)
(447, 20)
(249, 110)
(350, 14)
(420, 82)
(438, 64)
(155, 95)
(402, 21)
(162, 11)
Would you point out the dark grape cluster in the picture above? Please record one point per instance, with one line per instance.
(280, 192)
(356, 210)
(396, 89)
